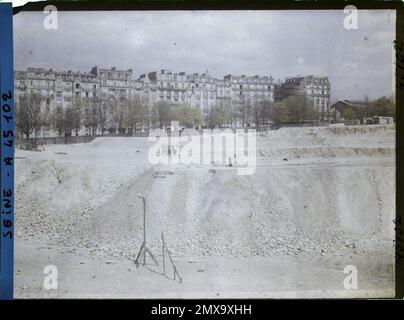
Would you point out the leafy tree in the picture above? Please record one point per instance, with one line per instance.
(183, 114)
(384, 107)
(300, 108)
(197, 117)
(280, 113)
(349, 114)
(187, 116)
(294, 109)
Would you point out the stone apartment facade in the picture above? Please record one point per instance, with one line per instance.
(114, 83)
(317, 89)
(200, 90)
(195, 90)
(248, 90)
(58, 89)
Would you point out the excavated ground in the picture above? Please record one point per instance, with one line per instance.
(323, 193)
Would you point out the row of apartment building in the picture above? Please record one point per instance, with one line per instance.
(201, 90)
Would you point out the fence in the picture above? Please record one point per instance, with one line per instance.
(55, 140)
(88, 138)
(71, 139)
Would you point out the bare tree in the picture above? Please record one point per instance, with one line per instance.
(241, 108)
(59, 120)
(102, 111)
(91, 114)
(162, 112)
(118, 114)
(265, 111)
(134, 113)
(46, 117)
(216, 117)
(72, 116)
(261, 112)
(28, 115)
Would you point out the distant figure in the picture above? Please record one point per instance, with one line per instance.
(230, 164)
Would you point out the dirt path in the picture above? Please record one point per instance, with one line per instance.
(305, 275)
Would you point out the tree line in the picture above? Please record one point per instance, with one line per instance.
(97, 115)
(128, 116)
(366, 108)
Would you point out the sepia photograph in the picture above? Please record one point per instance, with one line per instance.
(204, 154)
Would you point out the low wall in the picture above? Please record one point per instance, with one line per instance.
(70, 140)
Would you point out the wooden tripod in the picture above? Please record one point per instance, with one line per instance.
(171, 260)
(143, 248)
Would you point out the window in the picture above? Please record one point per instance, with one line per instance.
(77, 85)
(58, 94)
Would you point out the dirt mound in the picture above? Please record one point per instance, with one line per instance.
(87, 199)
(368, 130)
(205, 213)
(325, 152)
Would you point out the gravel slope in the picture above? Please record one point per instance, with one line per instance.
(336, 191)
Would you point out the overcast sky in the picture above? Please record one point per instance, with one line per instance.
(277, 43)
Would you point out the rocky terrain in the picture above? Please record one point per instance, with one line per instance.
(315, 191)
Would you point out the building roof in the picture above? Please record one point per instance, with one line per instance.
(341, 104)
